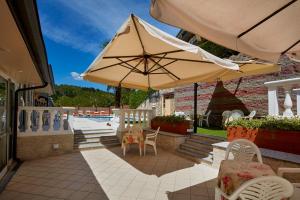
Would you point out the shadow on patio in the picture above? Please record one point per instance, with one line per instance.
(164, 163)
(60, 177)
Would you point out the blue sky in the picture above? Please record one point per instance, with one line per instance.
(74, 30)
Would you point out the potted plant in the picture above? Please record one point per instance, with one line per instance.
(173, 124)
(281, 134)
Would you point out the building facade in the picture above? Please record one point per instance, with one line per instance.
(246, 94)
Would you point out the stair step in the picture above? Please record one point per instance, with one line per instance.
(191, 154)
(89, 146)
(93, 132)
(207, 138)
(197, 147)
(208, 160)
(197, 141)
(199, 153)
(94, 135)
(88, 140)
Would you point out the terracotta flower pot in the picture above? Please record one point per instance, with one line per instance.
(239, 132)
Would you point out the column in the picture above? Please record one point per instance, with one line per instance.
(51, 120)
(121, 120)
(288, 104)
(273, 101)
(298, 100)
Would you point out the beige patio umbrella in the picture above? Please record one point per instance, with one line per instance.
(141, 56)
(262, 29)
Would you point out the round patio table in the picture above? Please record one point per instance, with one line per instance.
(232, 174)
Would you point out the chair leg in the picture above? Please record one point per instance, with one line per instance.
(124, 150)
(145, 149)
(140, 148)
(155, 150)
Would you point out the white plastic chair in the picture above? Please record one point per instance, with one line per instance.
(281, 171)
(151, 140)
(205, 118)
(236, 114)
(251, 115)
(243, 150)
(225, 117)
(261, 188)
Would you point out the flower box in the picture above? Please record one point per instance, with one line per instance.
(179, 126)
(279, 140)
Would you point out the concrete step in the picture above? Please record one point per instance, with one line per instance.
(89, 146)
(207, 138)
(207, 160)
(88, 132)
(199, 153)
(87, 140)
(198, 143)
(93, 135)
(197, 147)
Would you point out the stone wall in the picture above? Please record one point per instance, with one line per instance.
(40, 146)
(247, 94)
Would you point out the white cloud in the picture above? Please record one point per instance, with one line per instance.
(76, 76)
(85, 24)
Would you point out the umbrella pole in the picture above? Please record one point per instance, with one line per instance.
(118, 97)
(195, 107)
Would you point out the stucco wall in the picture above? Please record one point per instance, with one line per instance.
(34, 147)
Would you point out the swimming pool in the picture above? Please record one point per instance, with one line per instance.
(98, 118)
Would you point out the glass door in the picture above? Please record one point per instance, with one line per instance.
(3, 127)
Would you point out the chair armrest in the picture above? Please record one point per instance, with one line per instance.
(284, 170)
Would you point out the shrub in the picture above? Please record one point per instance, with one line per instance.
(271, 123)
(169, 119)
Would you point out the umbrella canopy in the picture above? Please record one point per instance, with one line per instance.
(262, 29)
(141, 56)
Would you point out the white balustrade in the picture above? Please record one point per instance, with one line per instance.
(130, 117)
(298, 100)
(41, 120)
(286, 84)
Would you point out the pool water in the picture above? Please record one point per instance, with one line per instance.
(99, 118)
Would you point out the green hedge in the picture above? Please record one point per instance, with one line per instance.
(271, 123)
(169, 119)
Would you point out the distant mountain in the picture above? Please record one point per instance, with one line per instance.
(69, 95)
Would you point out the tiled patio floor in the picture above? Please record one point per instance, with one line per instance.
(105, 174)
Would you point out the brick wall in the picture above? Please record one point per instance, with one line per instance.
(246, 94)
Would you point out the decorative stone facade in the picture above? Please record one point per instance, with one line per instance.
(246, 94)
(41, 146)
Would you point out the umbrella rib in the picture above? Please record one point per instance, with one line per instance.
(131, 71)
(138, 33)
(167, 52)
(163, 66)
(165, 69)
(290, 47)
(267, 18)
(94, 70)
(182, 59)
(107, 57)
(130, 66)
(157, 62)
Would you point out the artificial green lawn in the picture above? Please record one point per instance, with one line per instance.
(213, 132)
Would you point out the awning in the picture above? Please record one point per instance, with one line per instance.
(262, 29)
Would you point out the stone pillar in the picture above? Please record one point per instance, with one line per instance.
(298, 100)
(273, 101)
(288, 104)
(121, 120)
